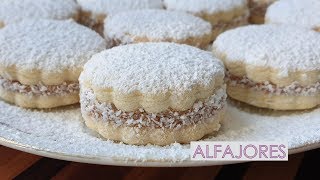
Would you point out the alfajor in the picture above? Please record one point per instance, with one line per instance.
(272, 66)
(223, 15)
(41, 60)
(304, 13)
(258, 10)
(157, 93)
(94, 12)
(157, 26)
(12, 11)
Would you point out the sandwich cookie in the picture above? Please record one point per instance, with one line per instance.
(94, 12)
(12, 11)
(295, 12)
(272, 66)
(258, 10)
(41, 60)
(223, 15)
(157, 93)
(157, 26)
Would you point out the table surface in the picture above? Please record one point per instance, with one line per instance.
(20, 165)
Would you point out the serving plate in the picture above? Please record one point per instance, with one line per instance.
(61, 134)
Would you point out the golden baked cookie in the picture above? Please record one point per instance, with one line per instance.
(272, 66)
(223, 15)
(304, 13)
(12, 11)
(41, 60)
(157, 26)
(258, 10)
(94, 12)
(157, 93)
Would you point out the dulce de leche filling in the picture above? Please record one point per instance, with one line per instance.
(269, 88)
(170, 119)
(39, 89)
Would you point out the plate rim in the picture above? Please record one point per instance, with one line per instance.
(130, 162)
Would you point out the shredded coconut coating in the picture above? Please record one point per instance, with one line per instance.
(48, 45)
(39, 89)
(284, 48)
(152, 68)
(155, 24)
(115, 6)
(293, 89)
(206, 6)
(12, 11)
(201, 111)
(304, 13)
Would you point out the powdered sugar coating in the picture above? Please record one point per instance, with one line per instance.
(152, 68)
(48, 45)
(155, 24)
(114, 6)
(204, 6)
(15, 10)
(284, 48)
(304, 13)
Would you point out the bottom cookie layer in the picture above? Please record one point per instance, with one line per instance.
(140, 127)
(38, 101)
(272, 101)
(156, 136)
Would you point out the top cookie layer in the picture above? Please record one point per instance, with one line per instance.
(304, 13)
(155, 25)
(271, 52)
(153, 68)
(46, 47)
(15, 10)
(153, 76)
(113, 6)
(204, 6)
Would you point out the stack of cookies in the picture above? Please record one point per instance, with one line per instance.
(141, 70)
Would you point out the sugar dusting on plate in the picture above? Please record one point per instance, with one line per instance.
(62, 131)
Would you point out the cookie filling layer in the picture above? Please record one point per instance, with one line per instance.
(171, 119)
(39, 89)
(269, 88)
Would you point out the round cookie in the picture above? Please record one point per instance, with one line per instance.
(295, 12)
(94, 12)
(41, 60)
(223, 15)
(258, 10)
(157, 26)
(12, 11)
(157, 93)
(272, 66)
